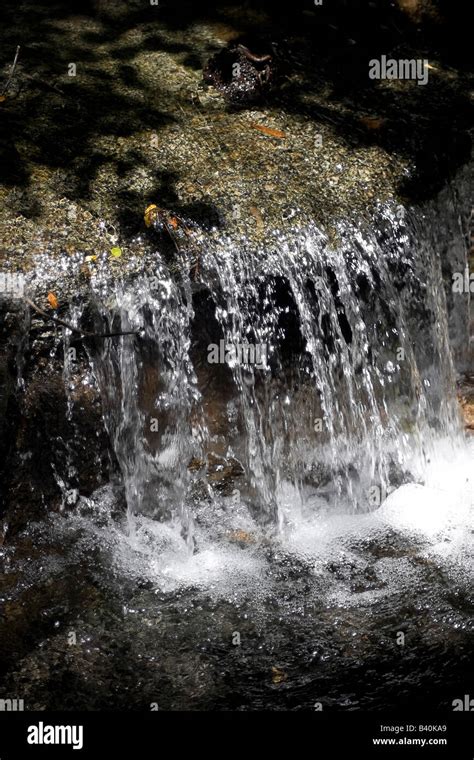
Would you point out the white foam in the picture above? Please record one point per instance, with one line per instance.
(433, 521)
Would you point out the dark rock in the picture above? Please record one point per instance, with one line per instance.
(54, 448)
(243, 76)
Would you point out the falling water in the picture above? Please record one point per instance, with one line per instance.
(375, 374)
(149, 393)
(355, 381)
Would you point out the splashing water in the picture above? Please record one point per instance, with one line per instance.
(322, 487)
(378, 370)
(149, 392)
(353, 387)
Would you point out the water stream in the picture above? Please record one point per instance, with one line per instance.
(349, 387)
(277, 522)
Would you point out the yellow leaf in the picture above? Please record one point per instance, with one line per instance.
(116, 252)
(150, 214)
(3, 98)
(53, 301)
(278, 676)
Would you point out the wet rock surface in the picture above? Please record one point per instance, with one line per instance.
(84, 155)
(56, 445)
(308, 632)
(244, 77)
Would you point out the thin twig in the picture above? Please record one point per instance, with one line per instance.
(12, 71)
(83, 334)
(38, 80)
(171, 236)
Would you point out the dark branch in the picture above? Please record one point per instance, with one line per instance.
(77, 330)
(12, 71)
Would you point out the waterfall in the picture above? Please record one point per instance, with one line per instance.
(332, 371)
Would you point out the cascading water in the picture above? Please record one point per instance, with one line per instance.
(149, 394)
(350, 384)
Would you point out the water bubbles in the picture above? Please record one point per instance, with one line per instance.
(297, 479)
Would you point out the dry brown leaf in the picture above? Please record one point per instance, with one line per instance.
(269, 131)
(372, 122)
(53, 301)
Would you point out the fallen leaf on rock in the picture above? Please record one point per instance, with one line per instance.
(278, 676)
(269, 131)
(3, 98)
(53, 301)
(150, 214)
(372, 122)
